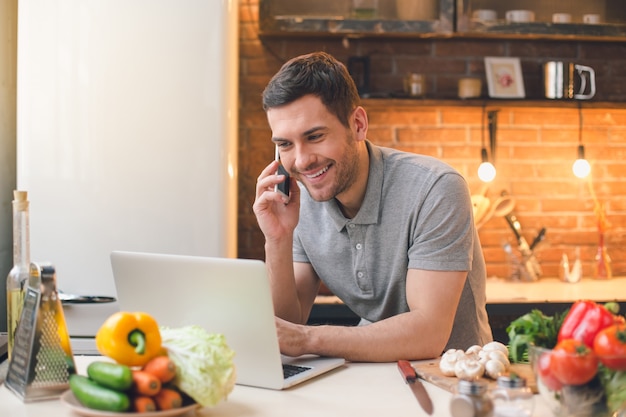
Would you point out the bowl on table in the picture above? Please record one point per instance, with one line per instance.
(587, 399)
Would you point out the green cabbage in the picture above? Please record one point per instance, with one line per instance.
(614, 383)
(205, 369)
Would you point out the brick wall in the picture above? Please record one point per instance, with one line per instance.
(536, 141)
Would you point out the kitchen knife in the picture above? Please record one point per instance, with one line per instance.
(540, 236)
(515, 225)
(84, 299)
(419, 391)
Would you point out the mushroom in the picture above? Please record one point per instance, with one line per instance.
(494, 368)
(495, 362)
(469, 369)
(498, 355)
(497, 346)
(473, 351)
(449, 359)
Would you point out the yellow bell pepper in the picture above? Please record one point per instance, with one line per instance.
(130, 339)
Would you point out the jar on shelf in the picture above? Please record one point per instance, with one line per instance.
(415, 84)
(365, 9)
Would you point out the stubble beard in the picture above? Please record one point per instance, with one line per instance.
(346, 172)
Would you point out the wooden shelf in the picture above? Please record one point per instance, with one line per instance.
(490, 102)
(333, 19)
(581, 37)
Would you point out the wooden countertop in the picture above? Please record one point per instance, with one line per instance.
(369, 389)
(545, 290)
(552, 290)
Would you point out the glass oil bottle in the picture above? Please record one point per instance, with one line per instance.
(17, 280)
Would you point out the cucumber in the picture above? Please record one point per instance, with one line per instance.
(111, 375)
(93, 395)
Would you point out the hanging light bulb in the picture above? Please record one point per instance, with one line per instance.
(486, 170)
(581, 167)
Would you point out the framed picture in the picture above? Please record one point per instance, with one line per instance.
(504, 77)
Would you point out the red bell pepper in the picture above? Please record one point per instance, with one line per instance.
(584, 320)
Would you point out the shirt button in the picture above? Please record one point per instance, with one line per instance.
(360, 274)
(351, 225)
(359, 246)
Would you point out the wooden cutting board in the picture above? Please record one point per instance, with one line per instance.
(429, 371)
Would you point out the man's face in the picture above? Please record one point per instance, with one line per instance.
(315, 147)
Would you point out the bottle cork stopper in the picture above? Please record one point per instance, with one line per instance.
(20, 195)
(20, 198)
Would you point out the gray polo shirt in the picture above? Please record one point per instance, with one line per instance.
(417, 214)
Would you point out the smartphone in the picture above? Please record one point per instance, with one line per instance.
(282, 187)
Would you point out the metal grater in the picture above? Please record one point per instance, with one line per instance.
(41, 360)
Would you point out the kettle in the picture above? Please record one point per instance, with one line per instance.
(567, 80)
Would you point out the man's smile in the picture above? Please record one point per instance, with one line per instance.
(317, 173)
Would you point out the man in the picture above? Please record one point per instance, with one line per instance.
(390, 233)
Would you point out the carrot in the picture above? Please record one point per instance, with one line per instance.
(145, 383)
(168, 398)
(143, 404)
(162, 367)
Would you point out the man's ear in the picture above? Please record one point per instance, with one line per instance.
(360, 123)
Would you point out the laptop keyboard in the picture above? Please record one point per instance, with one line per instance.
(291, 370)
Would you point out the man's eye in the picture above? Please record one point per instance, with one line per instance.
(315, 137)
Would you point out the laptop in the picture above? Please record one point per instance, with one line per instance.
(222, 295)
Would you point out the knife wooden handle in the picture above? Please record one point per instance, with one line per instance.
(407, 371)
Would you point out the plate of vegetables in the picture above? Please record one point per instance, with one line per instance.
(147, 370)
(578, 357)
(70, 400)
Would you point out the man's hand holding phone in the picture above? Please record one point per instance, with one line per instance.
(277, 205)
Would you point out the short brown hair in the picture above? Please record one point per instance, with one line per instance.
(318, 74)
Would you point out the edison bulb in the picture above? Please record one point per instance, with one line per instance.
(486, 172)
(581, 168)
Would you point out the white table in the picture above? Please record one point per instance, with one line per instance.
(366, 389)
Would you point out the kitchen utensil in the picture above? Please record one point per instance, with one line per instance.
(502, 206)
(530, 268)
(480, 207)
(515, 226)
(540, 236)
(419, 391)
(561, 80)
(84, 299)
(42, 359)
